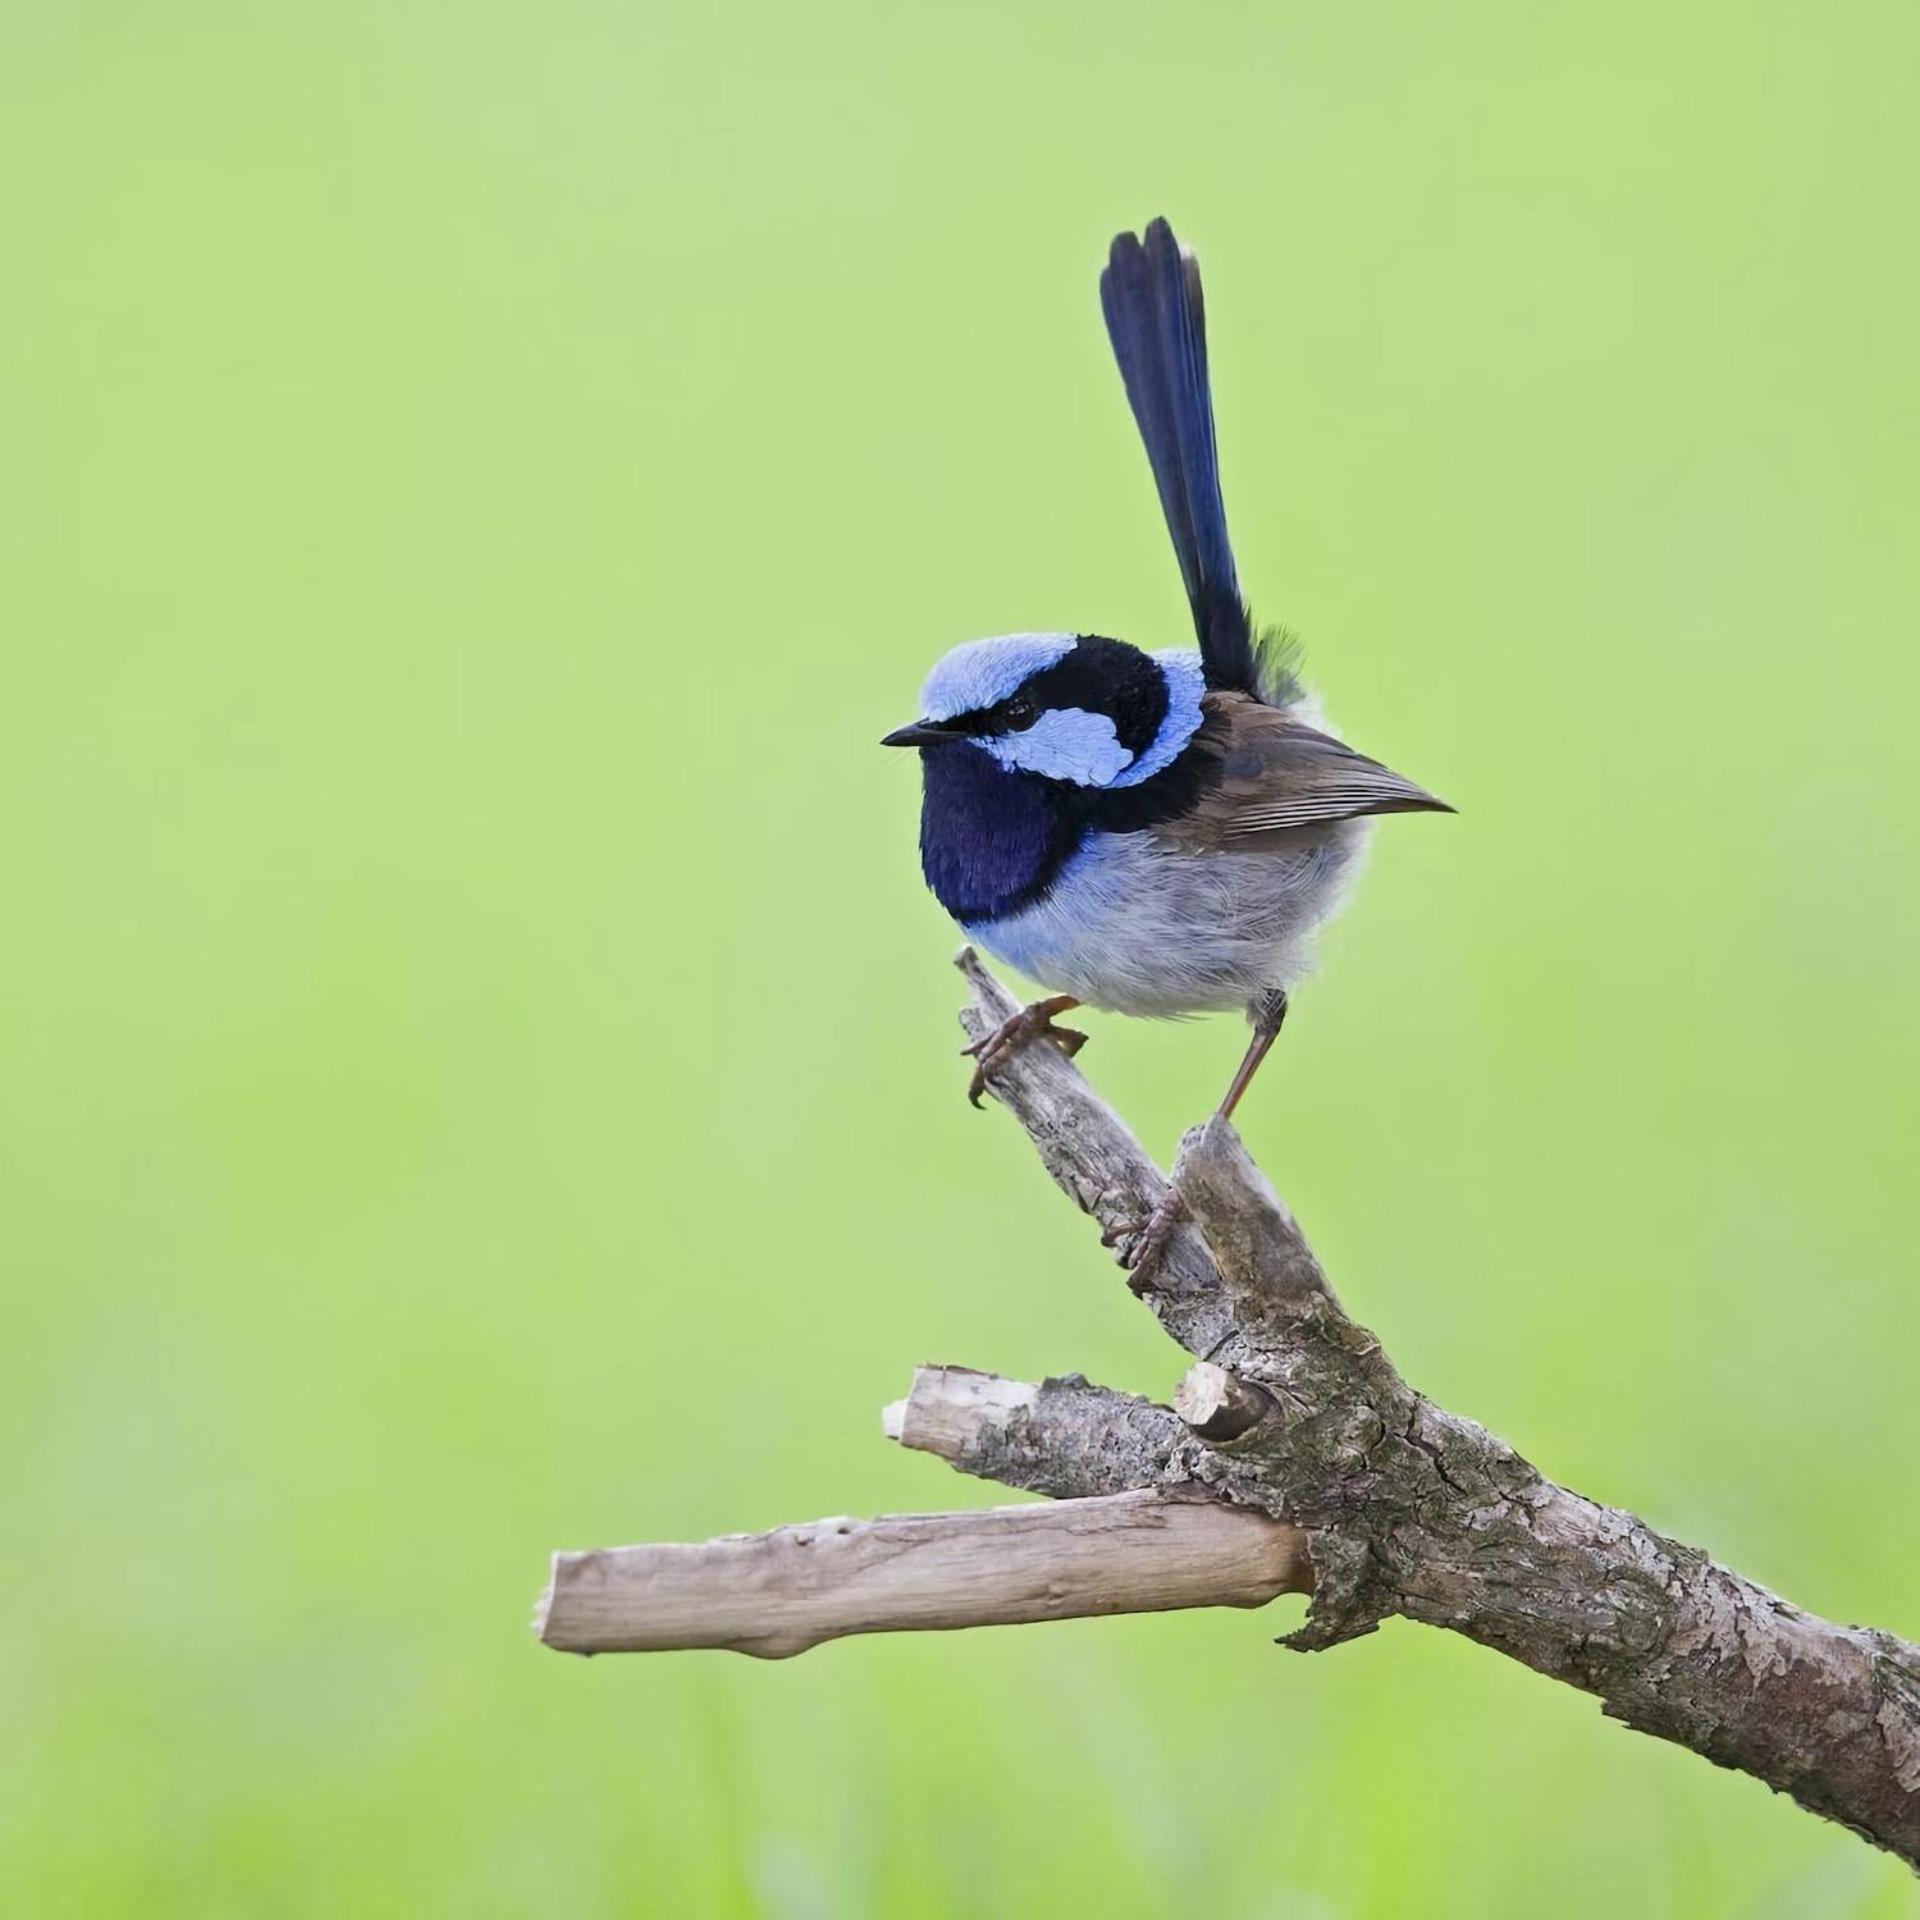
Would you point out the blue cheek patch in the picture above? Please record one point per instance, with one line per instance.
(1185, 685)
(1065, 743)
(982, 673)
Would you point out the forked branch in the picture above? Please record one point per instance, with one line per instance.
(1293, 1459)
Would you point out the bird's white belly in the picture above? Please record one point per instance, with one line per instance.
(1138, 925)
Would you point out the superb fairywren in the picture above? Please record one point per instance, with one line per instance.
(1155, 833)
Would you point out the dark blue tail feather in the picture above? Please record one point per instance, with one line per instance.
(1156, 318)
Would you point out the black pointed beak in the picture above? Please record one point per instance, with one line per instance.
(920, 734)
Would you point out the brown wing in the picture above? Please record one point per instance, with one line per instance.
(1274, 772)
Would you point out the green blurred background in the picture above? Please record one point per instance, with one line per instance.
(478, 1059)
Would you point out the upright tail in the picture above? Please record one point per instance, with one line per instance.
(1156, 318)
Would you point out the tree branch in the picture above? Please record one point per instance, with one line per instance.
(1412, 1510)
(1295, 1458)
(1067, 1438)
(779, 1593)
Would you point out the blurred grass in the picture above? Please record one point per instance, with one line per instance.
(479, 479)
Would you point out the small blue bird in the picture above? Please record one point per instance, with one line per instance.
(1151, 833)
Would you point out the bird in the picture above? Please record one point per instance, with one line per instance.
(1155, 833)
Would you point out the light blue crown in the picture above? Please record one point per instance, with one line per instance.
(983, 672)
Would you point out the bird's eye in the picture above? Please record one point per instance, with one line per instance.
(1022, 711)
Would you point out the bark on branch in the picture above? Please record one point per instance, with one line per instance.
(1335, 1476)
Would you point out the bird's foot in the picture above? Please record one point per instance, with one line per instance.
(1019, 1030)
(1142, 1260)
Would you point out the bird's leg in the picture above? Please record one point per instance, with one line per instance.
(1269, 1016)
(1019, 1030)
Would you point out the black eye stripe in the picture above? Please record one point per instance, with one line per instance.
(1009, 716)
(1110, 677)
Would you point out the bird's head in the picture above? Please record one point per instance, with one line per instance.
(1075, 708)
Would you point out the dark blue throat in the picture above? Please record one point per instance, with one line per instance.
(993, 841)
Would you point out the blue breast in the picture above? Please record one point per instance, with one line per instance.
(991, 840)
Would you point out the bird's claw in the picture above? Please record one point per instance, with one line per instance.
(1149, 1249)
(1016, 1031)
